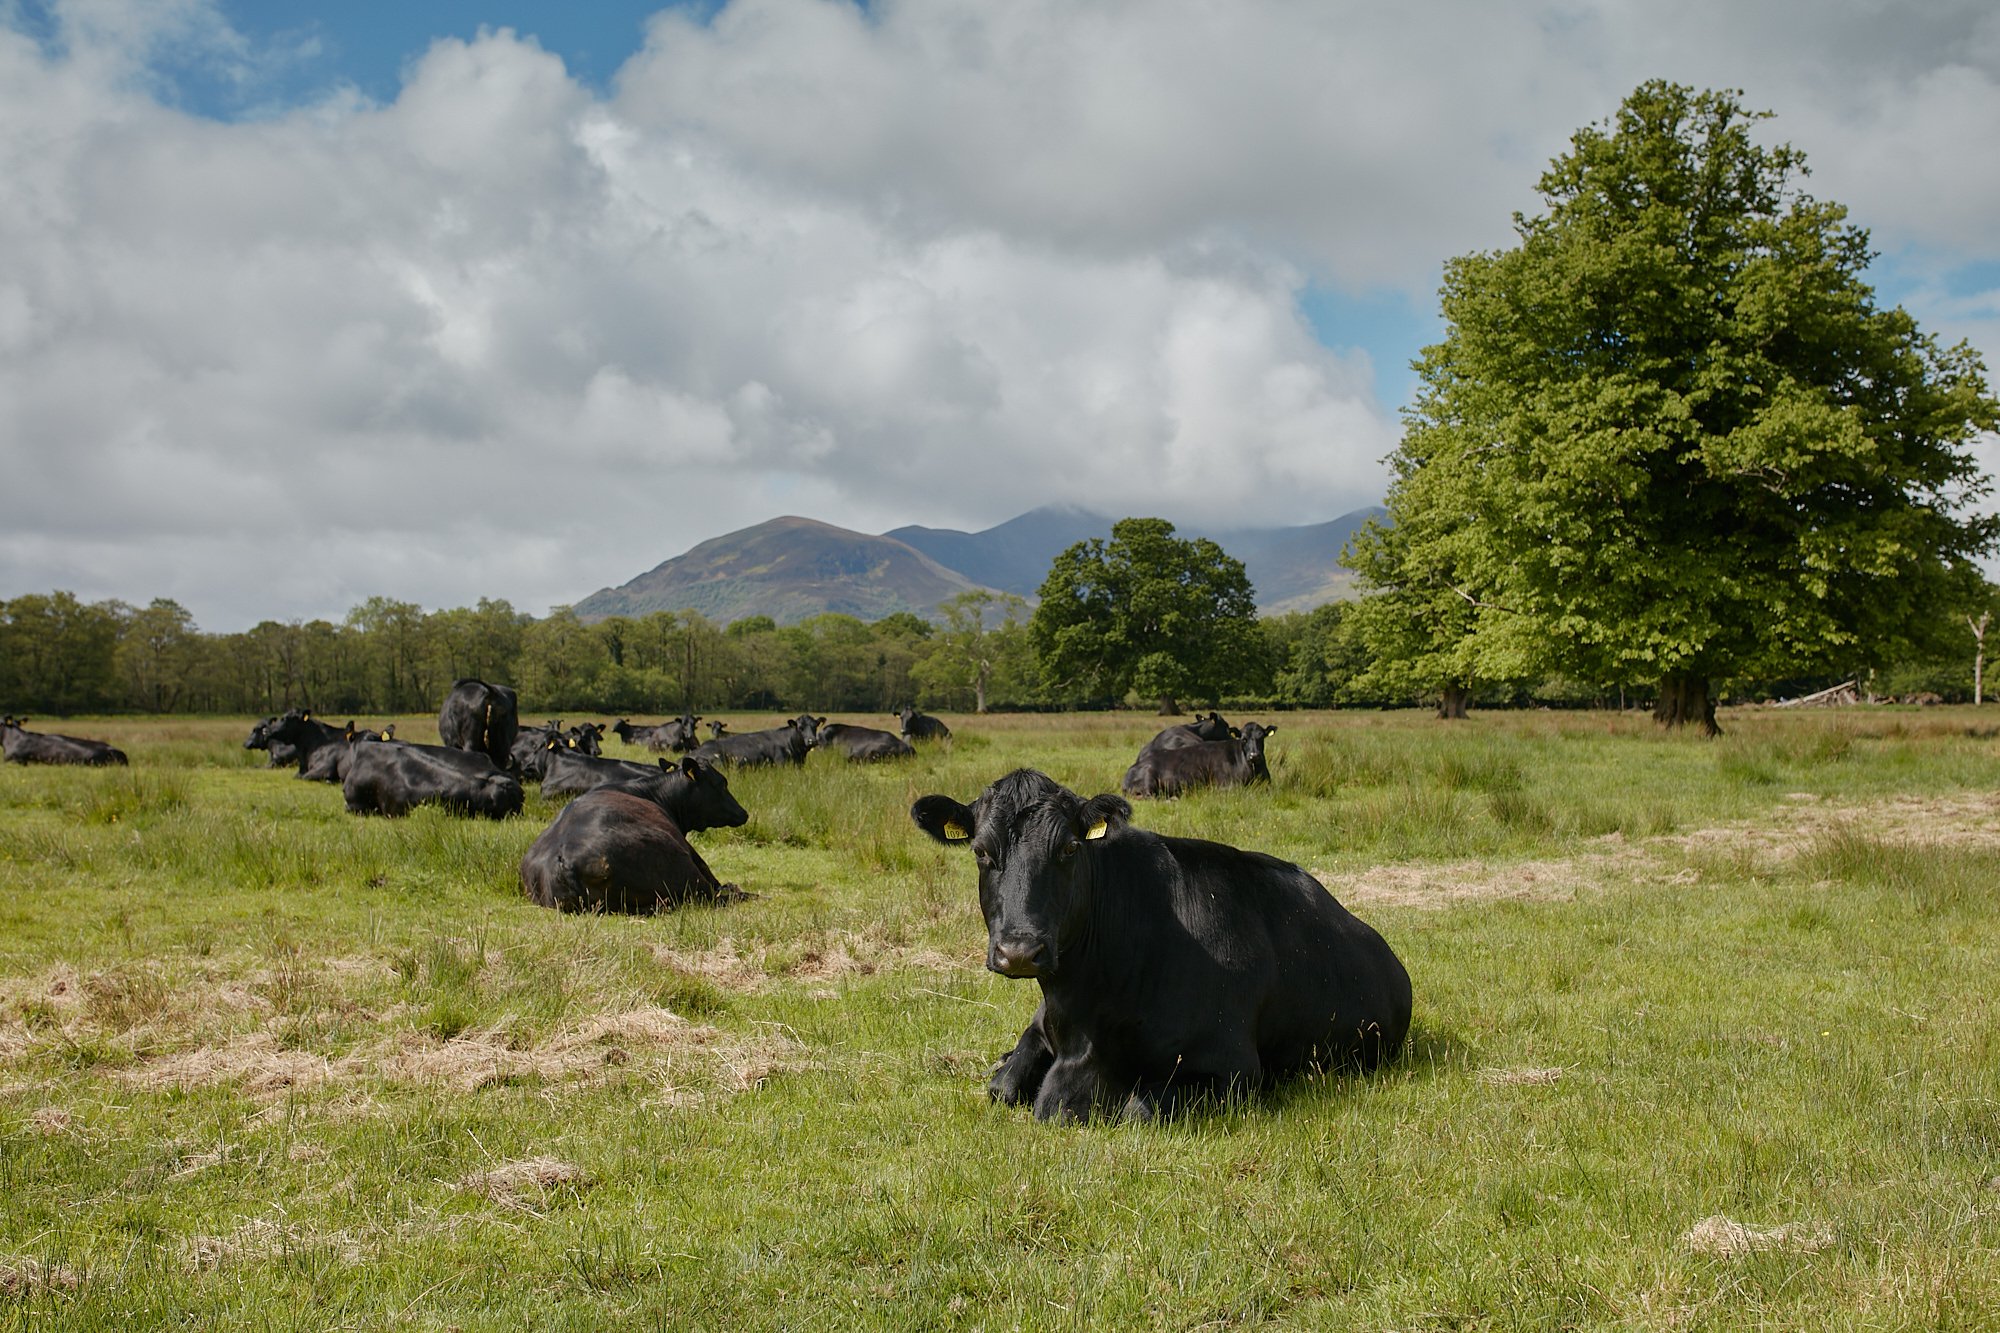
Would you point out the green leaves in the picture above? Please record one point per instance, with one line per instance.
(1145, 611)
(1669, 432)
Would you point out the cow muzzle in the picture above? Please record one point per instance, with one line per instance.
(1019, 958)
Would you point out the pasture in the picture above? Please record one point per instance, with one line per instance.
(1706, 1038)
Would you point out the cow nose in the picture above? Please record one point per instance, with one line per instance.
(1017, 958)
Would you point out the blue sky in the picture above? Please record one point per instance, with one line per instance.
(302, 303)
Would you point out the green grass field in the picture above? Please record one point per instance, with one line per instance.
(1707, 1038)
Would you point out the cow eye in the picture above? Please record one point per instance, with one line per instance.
(982, 856)
(1069, 848)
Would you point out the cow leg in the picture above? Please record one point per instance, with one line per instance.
(1018, 1077)
(1069, 1090)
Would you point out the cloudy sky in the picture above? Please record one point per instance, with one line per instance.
(306, 302)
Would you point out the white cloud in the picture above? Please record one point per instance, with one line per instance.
(937, 263)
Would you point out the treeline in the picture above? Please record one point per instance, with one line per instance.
(59, 656)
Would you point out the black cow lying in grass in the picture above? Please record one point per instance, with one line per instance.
(1230, 763)
(1171, 969)
(298, 735)
(21, 746)
(675, 734)
(618, 850)
(861, 744)
(922, 726)
(328, 763)
(774, 745)
(394, 779)
(567, 773)
(1210, 728)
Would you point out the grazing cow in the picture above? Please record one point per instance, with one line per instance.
(300, 735)
(396, 778)
(21, 746)
(922, 726)
(862, 744)
(774, 745)
(1170, 968)
(480, 717)
(1232, 763)
(616, 850)
(1210, 728)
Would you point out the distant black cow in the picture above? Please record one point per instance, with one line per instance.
(615, 850)
(862, 744)
(922, 726)
(328, 763)
(299, 735)
(675, 734)
(774, 745)
(480, 717)
(260, 739)
(567, 772)
(395, 779)
(1170, 968)
(21, 746)
(532, 746)
(1210, 728)
(717, 728)
(1232, 763)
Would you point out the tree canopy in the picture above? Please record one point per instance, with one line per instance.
(1669, 435)
(1147, 612)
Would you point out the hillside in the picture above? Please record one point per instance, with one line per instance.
(789, 569)
(1292, 569)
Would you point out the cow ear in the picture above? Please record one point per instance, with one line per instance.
(1101, 814)
(943, 818)
(690, 767)
(553, 744)
(1270, 730)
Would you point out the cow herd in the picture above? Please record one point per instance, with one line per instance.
(1171, 969)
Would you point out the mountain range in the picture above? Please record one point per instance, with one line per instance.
(791, 568)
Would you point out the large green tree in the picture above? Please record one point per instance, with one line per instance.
(1146, 612)
(1670, 435)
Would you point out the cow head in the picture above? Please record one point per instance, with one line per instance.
(1252, 741)
(702, 798)
(1031, 837)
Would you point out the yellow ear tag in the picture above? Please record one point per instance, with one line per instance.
(1097, 830)
(955, 831)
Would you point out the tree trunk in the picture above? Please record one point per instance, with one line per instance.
(1454, 702)
(1169, 707)
(1979, 655)
(1684, 699)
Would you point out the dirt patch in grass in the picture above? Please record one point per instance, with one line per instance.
(262, 1239)
(1720, 1235)
(527, 1185)
(1962, 820)
(480, 1059)
(253, 1060)
(24, 1277)
(832, 955)
(1770, 843)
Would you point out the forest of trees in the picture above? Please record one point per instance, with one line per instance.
(61, 656)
